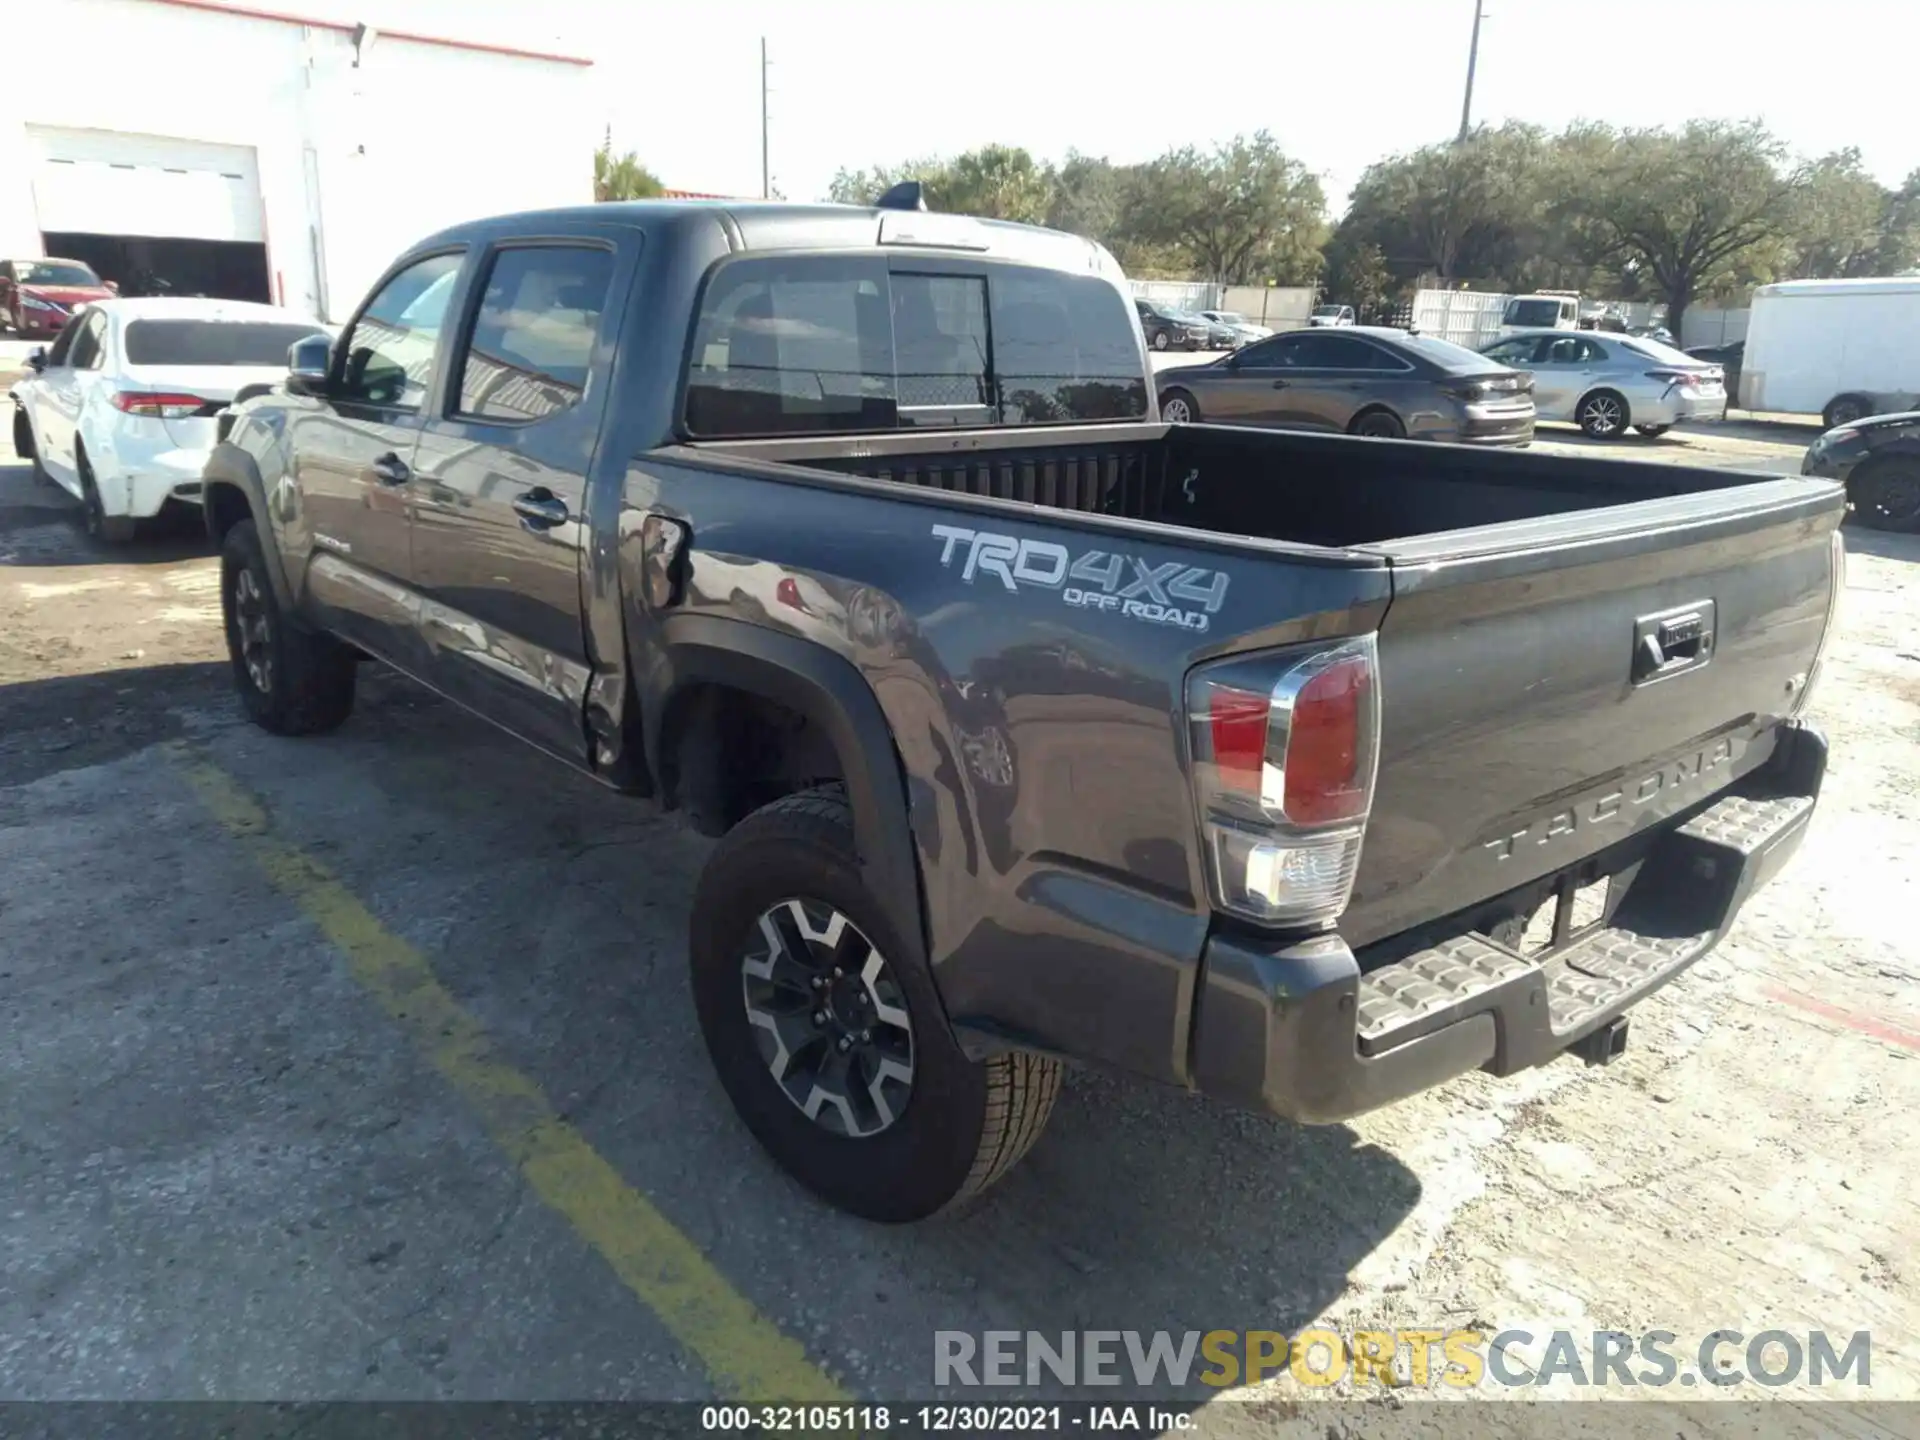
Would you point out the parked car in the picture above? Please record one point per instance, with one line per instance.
(1608, 384)
(1659, 334)
(1535, 312)
(1368, 381)
(1331, 315)
(1220, 335)
(1728, 358)
(1170, 329)
(122, 411)
(1878, 459)
(38, 297)
(1092, 769)
(1245, 332)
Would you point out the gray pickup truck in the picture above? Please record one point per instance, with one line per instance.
(1302, 771)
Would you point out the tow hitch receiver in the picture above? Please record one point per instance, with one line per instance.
(1604, 1045)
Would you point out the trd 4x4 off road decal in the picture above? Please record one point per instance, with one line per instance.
(1096, 580)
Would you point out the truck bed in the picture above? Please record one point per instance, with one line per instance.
(1330, 491)
(1523, 736)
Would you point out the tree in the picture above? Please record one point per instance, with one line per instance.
(998, 182)
(622, 177)
(863, 187)
(1459, 209)
(1357, 275)
(1839, 223)
(1697, 210)
(1899, 250)
(1244, 212)
(1089, 198)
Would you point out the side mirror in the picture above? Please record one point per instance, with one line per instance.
(37, 358)
(308, 364)
(113, 285)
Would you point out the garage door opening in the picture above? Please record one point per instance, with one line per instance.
(155, 265)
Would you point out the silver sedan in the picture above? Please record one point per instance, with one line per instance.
(1607, 383)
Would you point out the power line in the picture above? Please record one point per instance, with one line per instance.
(1473, 58)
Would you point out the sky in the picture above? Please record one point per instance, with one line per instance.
(1339, 83)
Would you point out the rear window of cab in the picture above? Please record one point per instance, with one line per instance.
(806, 345)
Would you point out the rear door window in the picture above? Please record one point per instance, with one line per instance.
(813, 344)
(532, 340)
(212, 342)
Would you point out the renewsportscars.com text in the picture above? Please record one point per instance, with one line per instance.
(1456, 1359)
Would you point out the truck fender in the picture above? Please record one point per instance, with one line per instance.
(229, 469)
(829, 690)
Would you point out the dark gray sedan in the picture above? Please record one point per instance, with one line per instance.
(1360, 380)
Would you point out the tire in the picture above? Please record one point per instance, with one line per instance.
(1182, 401)
(296, 682)
(1603, 415)
(1844, 410)
(1653, 432)
(1159, 339)
(108, 529)
(1886, 496)
(1380, 424)
(955, 1128)
(24, 447)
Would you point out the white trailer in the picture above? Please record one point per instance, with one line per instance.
(1839, 349)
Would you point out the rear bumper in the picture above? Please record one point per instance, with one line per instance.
(139, 482)
(1301, 1031)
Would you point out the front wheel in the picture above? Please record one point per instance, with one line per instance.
(828, 1035)
(1159, 339)
(1177, 407)
(1886, 496)
(1653, 432)
(1603, 415)
(290, 681)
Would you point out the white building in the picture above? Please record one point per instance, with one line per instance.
(259, 153)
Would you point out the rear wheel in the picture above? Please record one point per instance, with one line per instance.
(1845, 410)
(827, 1032)
(1886, 496)
(1653, 432)
(1380, 424)
(108, 529)
(1603, 415)
(290, 681)
(1177, 407)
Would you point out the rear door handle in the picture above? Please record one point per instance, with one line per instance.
(1279, 384)
(540, 508)
(390, 469)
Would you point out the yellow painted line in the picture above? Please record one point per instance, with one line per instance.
(744, 1352)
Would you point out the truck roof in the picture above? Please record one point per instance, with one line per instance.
(779, 225)
(1865, 285)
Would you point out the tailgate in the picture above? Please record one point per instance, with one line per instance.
(1552, 687)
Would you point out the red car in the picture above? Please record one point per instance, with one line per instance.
(38, 297)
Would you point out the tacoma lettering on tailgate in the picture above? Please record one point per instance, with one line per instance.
(1621, 801)
(1095, 580)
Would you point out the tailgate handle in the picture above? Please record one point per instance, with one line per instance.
(1672, 642)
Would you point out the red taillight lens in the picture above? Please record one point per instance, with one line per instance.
(1325, 743)
(1284, 747)
(166, 405)
(787, 592)
(1237, 723)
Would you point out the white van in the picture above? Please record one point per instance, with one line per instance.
(1540, 312)
(1839, 349)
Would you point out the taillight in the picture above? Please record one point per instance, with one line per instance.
(1685, 379)
(163, 404)
(1285, 746)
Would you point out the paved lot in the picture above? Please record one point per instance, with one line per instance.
(365, 1067)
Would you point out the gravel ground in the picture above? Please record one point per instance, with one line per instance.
(226, 1173)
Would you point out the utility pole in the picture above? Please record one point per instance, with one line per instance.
(1473, 57)
(766, 174)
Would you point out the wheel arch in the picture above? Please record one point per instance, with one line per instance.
(702, 654)
(1374, 407)
(232, 491)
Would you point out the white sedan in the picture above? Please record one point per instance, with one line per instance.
(121, 410)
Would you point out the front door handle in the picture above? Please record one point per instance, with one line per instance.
(390, 469)
(1279, 384)
(540, 508)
